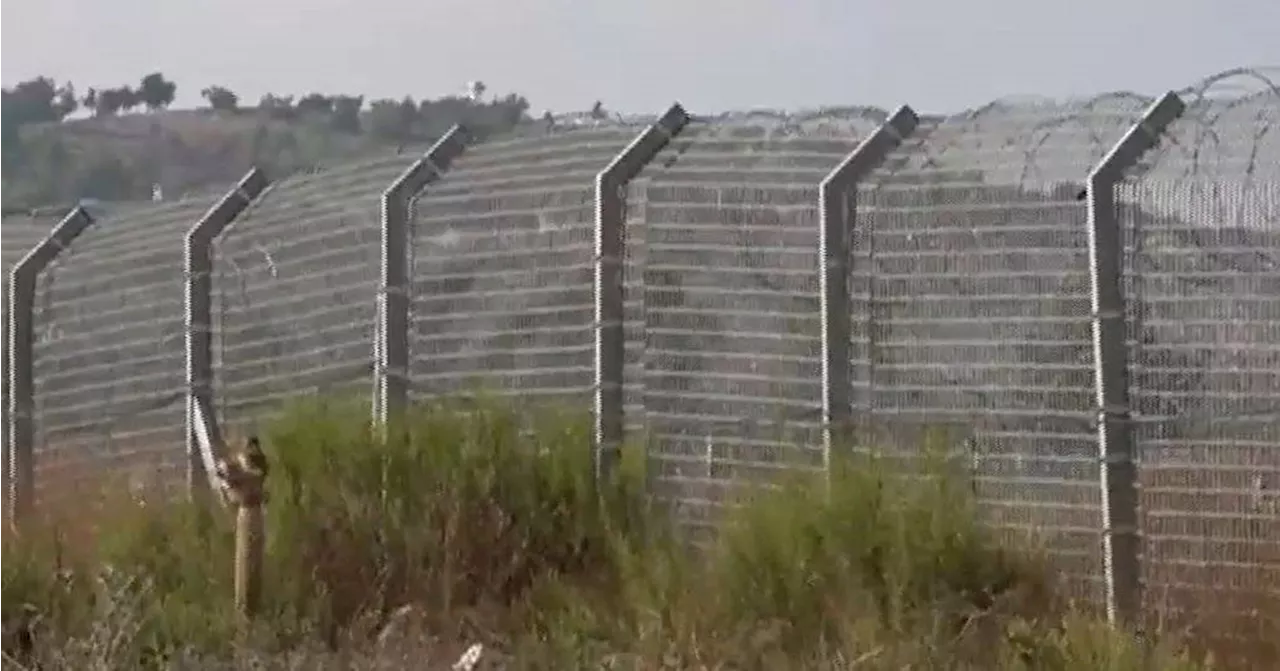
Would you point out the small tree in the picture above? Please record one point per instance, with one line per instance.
(392, 120)
(512, 109)
(129, 98)
(315, 104)
(32, 101)
(111, 101)
(66, 103)
(346, 113)
(277, 107)
(90, 100)
(156, 92)
(220, 98)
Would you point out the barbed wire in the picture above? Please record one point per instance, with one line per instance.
(1023, 132)
(1206, 114)
(1198, 138)
(1025, 126)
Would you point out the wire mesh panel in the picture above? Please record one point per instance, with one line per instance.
(635, 260)
(21, 234)
(1202, 221)
(503, 297)
(970, 273)
(295, 290)
(1205, 323)
(731, 358)
(109, 358)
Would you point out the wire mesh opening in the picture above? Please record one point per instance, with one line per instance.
(109, 355)
(296, 280)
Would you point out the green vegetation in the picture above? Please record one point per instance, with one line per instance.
(53, 157)
(479, 524)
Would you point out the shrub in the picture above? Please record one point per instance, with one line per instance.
(471, 521)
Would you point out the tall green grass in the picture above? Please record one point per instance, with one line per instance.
(474, 522)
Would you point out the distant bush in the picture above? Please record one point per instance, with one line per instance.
(477, 523)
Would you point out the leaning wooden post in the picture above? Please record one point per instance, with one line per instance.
(244, 478)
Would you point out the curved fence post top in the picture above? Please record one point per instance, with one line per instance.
(20, 332)
(837, 194)
(610, 223)
(202, 435)
(1142, 137)
(873, 149)
(1118, 475)
(63, 233)
(223, 212)
(391, 330)
(431, 165)
(631, 160)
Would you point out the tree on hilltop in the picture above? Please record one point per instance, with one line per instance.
(277, 107)
(129, 98)
(156, 92)
(315, 104)
(36, 100)
(66, 102)
(346, 113)
(393, 120)
(109, 102)
(220, 98)
(33, 101)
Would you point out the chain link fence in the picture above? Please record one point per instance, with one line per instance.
(22, 232)
(970, 302)
(1202, 225)
(295, 277)
(108, 353)
(503, 267)
(971, 308)
(725, 369)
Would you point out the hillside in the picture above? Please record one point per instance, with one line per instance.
(52, 158)
(121, 158)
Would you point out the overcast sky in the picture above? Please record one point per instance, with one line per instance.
(639, 55)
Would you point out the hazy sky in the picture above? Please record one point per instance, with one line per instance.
(639, 55)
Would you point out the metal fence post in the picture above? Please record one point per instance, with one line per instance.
(1121, 542)
(610, 236)
(837, 204)
(197, 259)
(20, 331)
(391, 339)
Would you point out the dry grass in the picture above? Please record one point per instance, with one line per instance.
(485, 526)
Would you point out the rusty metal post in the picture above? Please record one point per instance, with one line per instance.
(250, 550)
(244, 479)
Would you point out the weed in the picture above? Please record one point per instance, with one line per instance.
(471, 522)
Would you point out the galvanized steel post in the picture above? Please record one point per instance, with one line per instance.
(1121, 542)
(20, 331)
(197, 259)
(837, 204)
(610, 236)
(391, 338)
